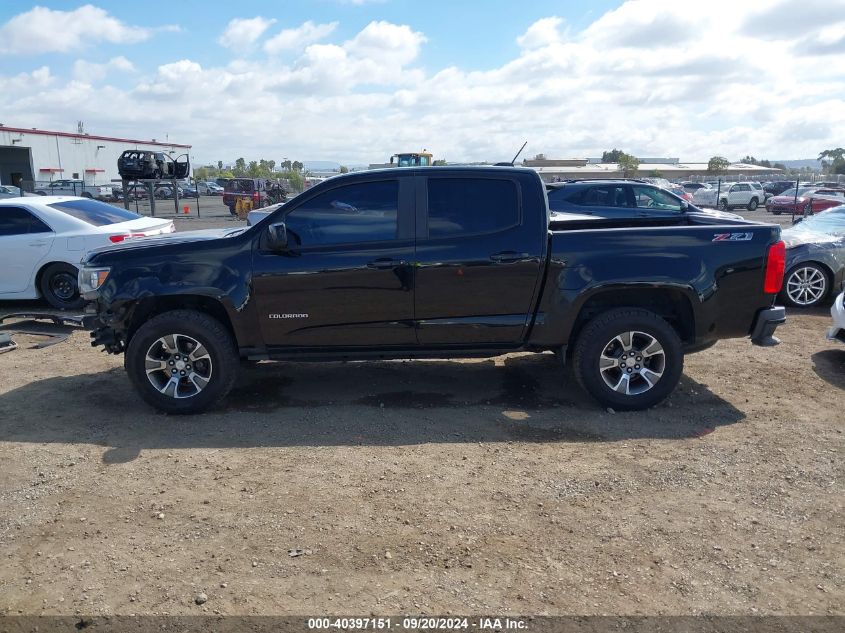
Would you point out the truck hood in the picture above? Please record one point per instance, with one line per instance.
(167, 240)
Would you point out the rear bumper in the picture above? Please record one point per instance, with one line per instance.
(767, 321)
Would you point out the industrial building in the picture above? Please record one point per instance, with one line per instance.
(556, 169)
(32, 156)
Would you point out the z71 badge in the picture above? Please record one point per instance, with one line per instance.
(733, 237)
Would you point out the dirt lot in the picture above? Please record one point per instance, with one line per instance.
(429, 486)
(463, 487)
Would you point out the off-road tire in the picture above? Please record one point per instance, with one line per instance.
(54, 279)
(723, 205)
(600, 331)
(753, 204)
(217, 340)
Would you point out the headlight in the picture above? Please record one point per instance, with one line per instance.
(90, 279)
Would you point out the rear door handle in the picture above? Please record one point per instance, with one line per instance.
(509, 257)
(385, 263)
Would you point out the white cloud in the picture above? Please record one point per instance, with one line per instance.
(43, 30)
(92, 71)
(242, 32)
(542, 33)
(299, 37)
(650, 78)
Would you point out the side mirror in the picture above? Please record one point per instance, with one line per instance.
(277, 235)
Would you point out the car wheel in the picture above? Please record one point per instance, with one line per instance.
(85, 194)
(753, 204)
(723, 205)
(628, 359)
(182, 361)
(58, 285)
(805, 285)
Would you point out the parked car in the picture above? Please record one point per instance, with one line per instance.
(679, 191)
(7, 191)
(619, 199)
(433, 263)
(254, 189)
(42, 240)
(209, 188)
(776, 188)
(74, 188)
(837, 312)
(188, 191)
(138, 192)
(815, 258)
(731, 196)
(810, 200)
(139, 164)
(692, 187)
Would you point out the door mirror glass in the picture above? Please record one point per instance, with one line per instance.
(277, 236)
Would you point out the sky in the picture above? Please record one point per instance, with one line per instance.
(354, 81)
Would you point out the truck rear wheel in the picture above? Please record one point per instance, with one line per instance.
(628, 359)
(182, 361)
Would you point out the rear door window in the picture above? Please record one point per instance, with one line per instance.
(95, 213)
(654, 198)
(471, 206)
(17, 221)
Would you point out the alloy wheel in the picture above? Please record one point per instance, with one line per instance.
(178, 366)
(632, 363)
(806, 286)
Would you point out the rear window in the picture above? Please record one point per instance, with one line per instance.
(239, 186)
(95, 213)
(468, 206)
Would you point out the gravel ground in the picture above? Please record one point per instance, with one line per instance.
(425, 486)
(436, 486)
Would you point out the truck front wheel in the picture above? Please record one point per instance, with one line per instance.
(628, 359)
(182, 361)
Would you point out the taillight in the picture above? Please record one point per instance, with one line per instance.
(775, 264)
(114, 239)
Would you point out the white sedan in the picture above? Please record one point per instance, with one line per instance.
(42, 239)
(837, 330)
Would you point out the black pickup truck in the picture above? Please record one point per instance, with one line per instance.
(433, 263)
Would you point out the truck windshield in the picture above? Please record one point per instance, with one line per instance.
(95, 213)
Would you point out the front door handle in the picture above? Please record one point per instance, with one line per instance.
(509, 257)
(384, 263)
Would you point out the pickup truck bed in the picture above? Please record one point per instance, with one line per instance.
(445, 262)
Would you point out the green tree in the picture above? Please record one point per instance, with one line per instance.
(612, 156)
(439, 163)
(286, 165)
(297, 183)
(296, 166)
(655, 173)
(240, 168)
(628, 164)
(219, 165)
(779, 166)
(344, 169)
(717, 165)
(833, 160)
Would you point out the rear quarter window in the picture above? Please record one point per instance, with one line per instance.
(95, 213)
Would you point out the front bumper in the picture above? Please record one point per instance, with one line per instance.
(767, 321)
(837, 331)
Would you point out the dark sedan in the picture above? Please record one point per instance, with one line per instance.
(815, 258)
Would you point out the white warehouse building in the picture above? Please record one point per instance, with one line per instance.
(30, 156)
